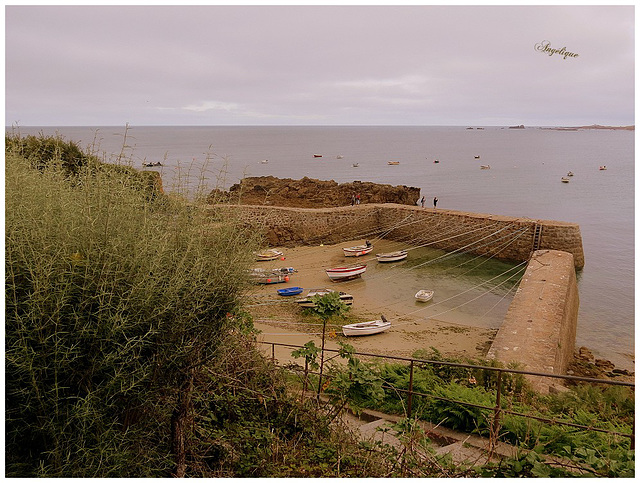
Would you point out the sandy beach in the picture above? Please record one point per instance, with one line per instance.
(279, 318)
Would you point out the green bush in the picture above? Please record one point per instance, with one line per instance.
(113, 306)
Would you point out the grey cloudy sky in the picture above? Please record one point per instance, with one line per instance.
(318, 65)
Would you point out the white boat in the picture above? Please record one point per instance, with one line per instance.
(424, 295)
(485, 166)
(358, 250)
(392, 256)
(308, 302)
(602, 168)
(265, 161)
(366, 328)
(355, 165)
(570, 173)
(565, 180)
(268, 255)
(345, 273)
(339, 156)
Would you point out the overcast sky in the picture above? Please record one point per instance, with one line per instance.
(318, 65)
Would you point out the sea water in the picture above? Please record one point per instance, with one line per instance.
(524, 180)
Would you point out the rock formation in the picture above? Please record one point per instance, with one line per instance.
(311, 193)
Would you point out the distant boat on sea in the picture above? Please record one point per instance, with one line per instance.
(393, 163)
(317, 155)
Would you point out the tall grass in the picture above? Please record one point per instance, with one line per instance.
(114, 301)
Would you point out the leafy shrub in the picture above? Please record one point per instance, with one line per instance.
(113, 305)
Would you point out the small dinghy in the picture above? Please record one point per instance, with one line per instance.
(366, 328)
(288, 292)
(358, 251)
(603, 168)
(268, 255)
(393, 163)
(424, 295)
(485, 166)
(570, 173)
(391, 256)
(345, 273)
(565, 180)
(308, 301)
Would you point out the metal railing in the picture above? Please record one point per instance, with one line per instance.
(497, 409)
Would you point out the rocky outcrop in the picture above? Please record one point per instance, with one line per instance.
(312, 193)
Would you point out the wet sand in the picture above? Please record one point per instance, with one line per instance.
(279, 317)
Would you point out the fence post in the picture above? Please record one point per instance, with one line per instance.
(496, 413)
(273, 353)
(410, 397)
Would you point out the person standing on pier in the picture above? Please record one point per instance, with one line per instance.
(422, 201)
(435, 202)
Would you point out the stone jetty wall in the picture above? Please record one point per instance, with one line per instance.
(503, 237)
(539, 330)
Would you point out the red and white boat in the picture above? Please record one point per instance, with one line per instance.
(358, 250)
(346, 273)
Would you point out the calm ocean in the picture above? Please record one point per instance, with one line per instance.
(524, 181)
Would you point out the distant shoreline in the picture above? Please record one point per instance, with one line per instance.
(593, 126)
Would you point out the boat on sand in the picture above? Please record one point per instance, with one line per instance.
(288, 292)
(424, 295)
(358, 250)
(309, 302)
(366, 328)
(339, 274)
(392, 256)
(268, 255)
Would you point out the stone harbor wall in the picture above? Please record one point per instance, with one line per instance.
(503, 237)
(539, 330)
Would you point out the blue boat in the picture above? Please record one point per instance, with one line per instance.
(290, 291)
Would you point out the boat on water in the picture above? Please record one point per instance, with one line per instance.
(424, 295)
(477, 156)
(265, 161)
(288, 292)
(602, 168)
(485, 166)
(266, 277)
(358, 250)
(317, 155)
(339, 274)
(393, 163)
(268, 255)
(392, 256)
(151, 165)
(309, 302)
(564, 180)
(436, 161)
(366, 328)
(570, 173)
(355, 165)
(339, 156)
